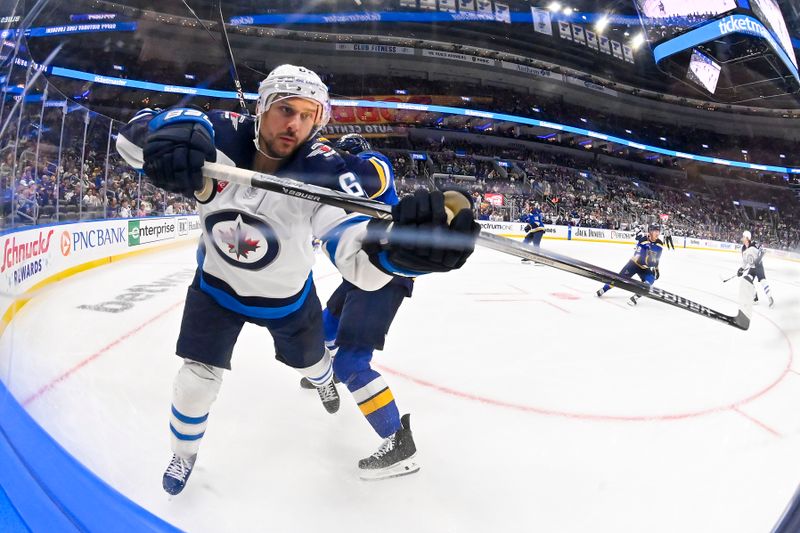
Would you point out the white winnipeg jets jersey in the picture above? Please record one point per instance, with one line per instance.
(256, 249)
(752, 255)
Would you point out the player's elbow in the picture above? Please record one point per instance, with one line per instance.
(372, 282)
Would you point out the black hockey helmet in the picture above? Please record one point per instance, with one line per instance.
(653, 227)
(353, 143)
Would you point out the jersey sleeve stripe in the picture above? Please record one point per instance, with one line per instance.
(331, 239)
(382, 174)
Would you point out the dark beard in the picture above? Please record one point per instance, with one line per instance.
(268, 149)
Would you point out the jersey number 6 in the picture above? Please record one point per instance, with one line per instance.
(349, 184)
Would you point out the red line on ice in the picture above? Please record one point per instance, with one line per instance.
(734, 406)
(105, 349)
(757, 422)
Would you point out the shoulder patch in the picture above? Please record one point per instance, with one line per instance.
(320, 148)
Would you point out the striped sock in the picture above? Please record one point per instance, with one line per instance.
(376, 402)
(369, 389)
(187, 432)
(320, 373)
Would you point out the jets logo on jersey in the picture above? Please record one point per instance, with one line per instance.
(242, 240)
(321, 149)
(239, 244)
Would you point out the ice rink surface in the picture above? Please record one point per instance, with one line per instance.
(535, 405)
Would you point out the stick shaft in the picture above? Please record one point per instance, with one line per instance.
(380, 210)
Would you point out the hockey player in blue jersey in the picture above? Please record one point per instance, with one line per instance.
(256, 253)
(534, 229)
(644, 262)
(356, 323)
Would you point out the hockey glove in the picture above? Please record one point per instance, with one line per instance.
(655, 272)
(179, 142)
(420, 240)
(740, 272)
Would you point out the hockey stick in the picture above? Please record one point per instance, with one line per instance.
(790, 521)
(227, 50)
(226, 44)
(382, 211)
(726, 280)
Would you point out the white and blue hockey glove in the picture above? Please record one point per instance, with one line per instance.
(179, 142)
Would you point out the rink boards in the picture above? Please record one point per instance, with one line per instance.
(36, 257)
(516, 230)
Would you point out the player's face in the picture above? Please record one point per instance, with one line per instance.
(286, 125)
(654, 235)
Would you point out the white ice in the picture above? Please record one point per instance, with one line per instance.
(535, 405)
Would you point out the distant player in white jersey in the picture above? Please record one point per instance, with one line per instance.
(753, 265)
(256, 252)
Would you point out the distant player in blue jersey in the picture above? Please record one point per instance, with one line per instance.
(356, 323)
(534, 229)
(644, 262)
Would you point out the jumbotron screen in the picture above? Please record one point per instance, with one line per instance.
(704, 71)
(770, 14)
(664, 19)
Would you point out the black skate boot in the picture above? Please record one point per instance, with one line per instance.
(177, 474)
(600, 292)
(396, 456)
(305, 384)
(634, 301)
(329, 396)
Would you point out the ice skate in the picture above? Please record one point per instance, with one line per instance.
(177, 474)
(396, 456)
(329, 396)
(305, 384)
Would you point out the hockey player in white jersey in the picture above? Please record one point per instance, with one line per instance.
(753, 265)
(256, 253)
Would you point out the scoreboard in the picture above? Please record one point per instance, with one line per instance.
(742, 44)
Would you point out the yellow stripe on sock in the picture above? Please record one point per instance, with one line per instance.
(376, 402)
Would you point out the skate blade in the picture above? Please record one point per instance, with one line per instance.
(403, 468)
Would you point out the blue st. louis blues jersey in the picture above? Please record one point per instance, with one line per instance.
(376, 175)
(534, 221)
(256, 244)
(647, 253)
